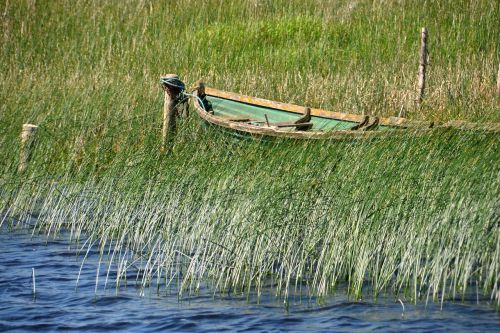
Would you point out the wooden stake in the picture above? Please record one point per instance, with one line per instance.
(170, 103)
(27, 138)
(422, 68)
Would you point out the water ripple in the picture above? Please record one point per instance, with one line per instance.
(59, 305)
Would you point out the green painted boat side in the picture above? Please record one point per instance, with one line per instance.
(228, 109)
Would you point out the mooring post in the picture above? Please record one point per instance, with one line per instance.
(173, 88)
(28, 134)
(422, 68)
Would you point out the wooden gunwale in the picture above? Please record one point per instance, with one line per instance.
(464, 125)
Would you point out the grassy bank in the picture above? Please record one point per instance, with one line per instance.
(417, 214)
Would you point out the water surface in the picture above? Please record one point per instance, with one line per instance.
(59, 306)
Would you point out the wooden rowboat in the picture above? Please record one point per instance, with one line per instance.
(261, 117)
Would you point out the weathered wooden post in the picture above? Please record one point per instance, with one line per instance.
(28, 134)
(422, 68)
(173, 88)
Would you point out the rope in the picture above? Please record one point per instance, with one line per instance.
(177, 83)
(199, 100)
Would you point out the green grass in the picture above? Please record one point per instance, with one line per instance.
(414, 214)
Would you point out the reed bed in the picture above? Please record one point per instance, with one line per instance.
(414, 214)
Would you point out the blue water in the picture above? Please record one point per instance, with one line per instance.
(59, 306)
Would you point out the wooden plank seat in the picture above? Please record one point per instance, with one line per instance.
(276, 124)
(285, 124)
(302, 124)
(240, 120)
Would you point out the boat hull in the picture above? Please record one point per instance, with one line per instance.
(228, 109)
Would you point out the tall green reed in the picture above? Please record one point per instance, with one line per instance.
(412, 214)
